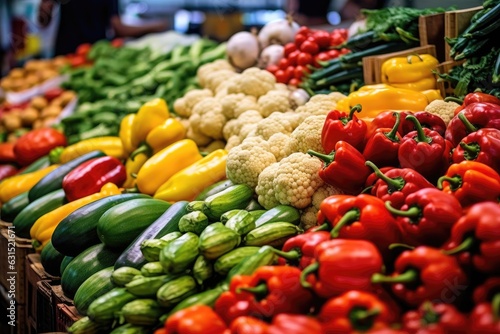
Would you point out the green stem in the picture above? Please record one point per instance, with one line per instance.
(327, 158)
(322, 227)
(312, 268)
(408, 276)
(356, 108)
(260, 291)
(398, 245)
(466, 244)
(394, 183)
(430, 316)
(468, 125)
(455, 182)
(408, 58)
(392, 135)
(133, 190)
(292, 255)
(412, 212)
(347, 218)
(144, 148)
(453, 99)
(471, 150)
(421, 137)
(362, 320)
(495, 306)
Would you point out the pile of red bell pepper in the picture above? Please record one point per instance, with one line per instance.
(416, 252)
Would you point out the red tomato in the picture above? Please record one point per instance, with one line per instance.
(343, 51)
(78, 61)
(53, 93)
(336, 39)
(289, 48)
(333, 53)
(290, 70)
(306, 31)
(310, 47)
(272, 68)
(299, 71)
(322, 38)
(294, 82)
(283, 64)
(83, 49)
(299, 39)
(281, 76)
(304, 58)
(292, 57)
(117, 42)
(320, 57)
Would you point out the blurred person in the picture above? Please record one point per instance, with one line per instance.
(6, 47)
(352, 8)
(309, 13)
(87, 21)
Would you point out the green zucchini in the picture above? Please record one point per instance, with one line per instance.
(93, 287)
(84, 265)
(234, 197)
(147, 286)
(274, 234)
(142, 312)
(355, 57)
(280, 213)
(214, 189)
(53, 180)
(151, 269)
(86, 326)
(165, 224)
(124, 275)
(254, 205)
(45, 204)
(78, 231)
(11, 209)
(103, 309)
(232, 258)
(51, 260)
(173, 292)
(38, 164)
(64, 264)
(130, 329)
(122, 223)
(496, 70)
(491, 17)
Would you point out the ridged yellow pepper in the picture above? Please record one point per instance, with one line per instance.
(419, 85)
(161, 166)
(432, 94)
(408, 69)
(150, 115)
(125, 132)
(132, 167)
(186, 184)
(20, 183)
(110, 145)
(44, 227)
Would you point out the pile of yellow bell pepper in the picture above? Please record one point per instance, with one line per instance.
(412, 72)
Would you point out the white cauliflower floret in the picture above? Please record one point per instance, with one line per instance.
(320, 104)
(269, 126)
(183, 106)
(222, 89)
(232, 142)
(308, 217)
(206, 69)
(247, 131)
(253, 81)
(246, 161)
(277, 144)
(212, 120)
(198, 138)
(443, 109)
(297, 180)
(213, 80)
(274, 100)
(234, 126)
(294, 118)
(307, 136)
(233, 105)
(281, 86)
(265, 189)
(215, 145)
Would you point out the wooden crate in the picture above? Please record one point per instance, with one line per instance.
(66, 315)
(455, 22)
(431, 32)
(13, 252)
(59, 297)
(445, 87)
(45, 308)
(374, 63)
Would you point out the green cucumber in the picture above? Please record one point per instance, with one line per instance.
(104, 309)
(29, 215)
(78, 231)
(214, 189)
(11, 209)
(51, 260)
(280, 213)
(84, 265)
(93, 287)
(234, 197)
(124, 222)
(38, 164)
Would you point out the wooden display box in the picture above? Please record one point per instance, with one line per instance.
(455, 22)
(372, 65)
(431, 32)
(45, 308)
(66, 315)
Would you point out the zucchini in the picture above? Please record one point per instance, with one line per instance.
(51, 260)
(53, 180)
(168, 222)
(254, 205)
(355, 57)
(496, 70)
(130, 329)
(11, 209)
(228, 261)
(142, 312)
(273, 234)
(124, 275)
(148, 286)
(280, 213)
(490, 18)
(122, 223)
(38, 164)
(93, 287)
(214, 189)
(86, 326)
(103, 309)
(341, 76)
(64, 263)
(233, 197)
(78, 231)
(151, 269)
(84, 265)
(28, 216)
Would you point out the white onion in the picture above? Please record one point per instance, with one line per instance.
(280, 32)
(356, 27)
(243, 50)
(299, 97)
(271, 55)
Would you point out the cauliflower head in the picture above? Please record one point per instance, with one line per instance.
(253, 81)
(307, 136)
(215, 79)
(320, 104)
(443, 109)
(265, 190)
(183, 106)
(277, 145)
(274, 100)
(206, 69)
(234, 126)
(233, 105)
(232, 142)
(269, 126)
(309, 216)
(211, 118)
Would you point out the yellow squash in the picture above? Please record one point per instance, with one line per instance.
(408, 69)
(186, 184)
(110, 145)
(44, 227)
(125, 132)
(132, 167)
(17, 184)
(150, 115)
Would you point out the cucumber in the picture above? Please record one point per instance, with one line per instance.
(142, 312)
(11, 209)
(64, 264)
(280, 213)
(28, 216)
(38, 164)
(130, 329)
(214, 189)
(84, 265)
(53, 180)
(78, 231)
(165, 224)
(86, 326)
(95, 286)
(51, 260)
(122, 223)
(103, 309)
(233, 197)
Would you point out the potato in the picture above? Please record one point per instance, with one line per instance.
(32, 80)
(46, 74)
(39, 102)
(49, 121)
(6, 83)
(57, 101)
(28, 116)
(17, 73)
(59, 61)
(12, 121)
(67, 97)
(16, 84)
(37, 124)
(51, 111)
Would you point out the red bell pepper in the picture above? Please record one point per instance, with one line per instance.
(423, 150)
(485, 318)
(295, 324)
(427, 216)
(372, 178)
(471, 182)
(473, 117)
(474, 97)
(248, 325)
(7, 154)
(198, 319)
(360, 217)
(396, 184)
(475, 237)
(342, 265)
(344, 168)
(7, 170)
(486, 291)
(230, 306)
(448, 152)
(382, 147)
(482, 146)
(340, 126)
(89, 177)
(435, 318)
(386, 119)
(425, 273)
(299, 250)
(37, 143)
(426, 120)
(354, 312)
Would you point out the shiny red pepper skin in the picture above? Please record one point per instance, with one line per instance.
(386, 120)
(427, 120)
(483, 320)
(427, 216)
(7, 154)
(482, 146)
(382, 147)
(7, 170)
(37, 143)
(89, 177)
(486, 291)
(432, 318)
(248, 325)
(477, 97)
(229, 306)
(295, 324)
(340, 126)
(299, 250)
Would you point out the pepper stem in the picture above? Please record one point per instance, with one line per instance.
(471, 151)
(466, 244)
(348, 217)
(453, 99)
(408, 276)
(468, 125)
(395, 184)
(322, 227)
(362, 319)
(421, 137)
(327, 158)
(292, 255)
(312, 268)
(430, 316)
(392, 134)
(144, 148)
(398, 245)
(455, 182)
(495, 306)
(260, 291)
(412, 212)
(356, 108)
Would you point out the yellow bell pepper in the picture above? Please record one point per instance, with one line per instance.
(17, 184)
(150, 115)
(125, 132)
(186, 184)
(132, 167)
(44, 227)
(408, 69)
(161, 166)
(432, 94)
(419, 85)
(110, 145)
